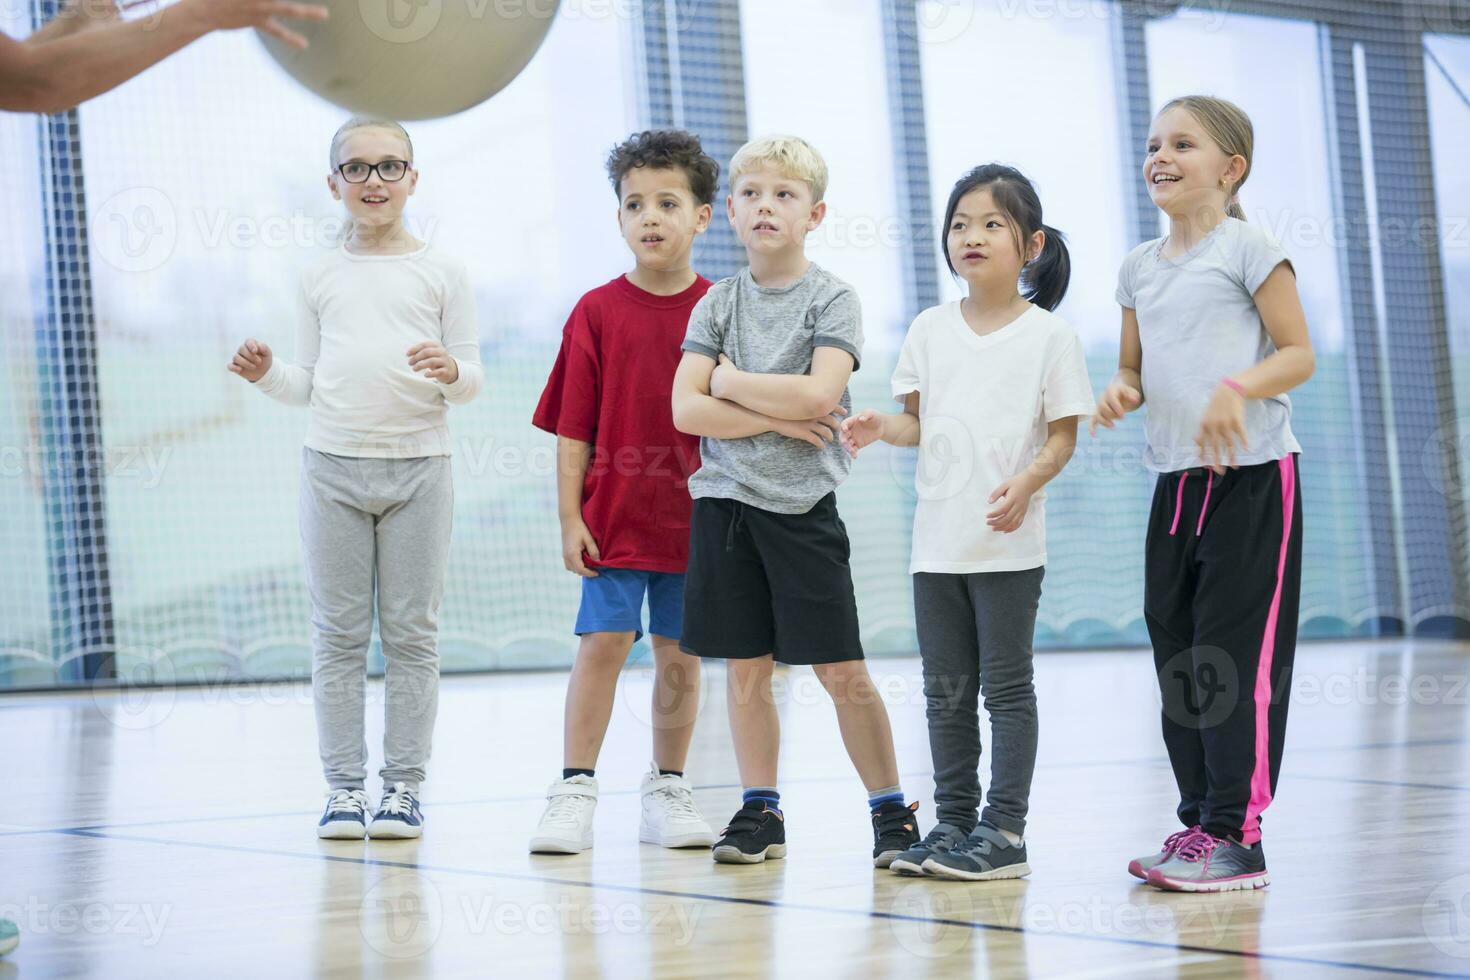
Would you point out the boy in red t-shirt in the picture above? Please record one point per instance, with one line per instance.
(622, 470)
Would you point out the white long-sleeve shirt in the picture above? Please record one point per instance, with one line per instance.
(357, 317)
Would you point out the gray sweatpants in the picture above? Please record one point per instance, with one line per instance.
(366, 523)
(975, 636)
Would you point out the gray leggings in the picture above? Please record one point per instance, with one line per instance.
(366, 523)
(975, 636)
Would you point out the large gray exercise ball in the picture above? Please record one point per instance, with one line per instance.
(415, 59)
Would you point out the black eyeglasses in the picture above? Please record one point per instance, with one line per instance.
(391, 171)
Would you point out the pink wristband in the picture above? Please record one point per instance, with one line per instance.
(1234, 385)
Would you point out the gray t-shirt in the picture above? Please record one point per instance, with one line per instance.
(1198, 323)
(774, 331)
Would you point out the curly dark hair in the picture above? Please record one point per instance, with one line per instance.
(666, 149)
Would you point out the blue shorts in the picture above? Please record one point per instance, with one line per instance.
(613, 603)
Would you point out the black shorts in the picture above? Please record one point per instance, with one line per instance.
(761, 583)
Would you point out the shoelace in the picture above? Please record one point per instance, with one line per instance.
(1172, 842)
(1197, 846)
(564, 809)
(678, 801)
(398, 802)
(346, 801)
(934, 838)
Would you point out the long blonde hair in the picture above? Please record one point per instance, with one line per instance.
(1230, 128)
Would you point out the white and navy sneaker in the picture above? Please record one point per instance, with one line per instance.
(345, 817)
(670, 818)
(398, 816)
(566, 825)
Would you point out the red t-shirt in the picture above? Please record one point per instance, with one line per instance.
(612, 386)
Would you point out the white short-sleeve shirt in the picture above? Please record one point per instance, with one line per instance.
(984, 405)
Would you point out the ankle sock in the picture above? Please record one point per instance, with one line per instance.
(888, 794)
(766, 794)
(672, 772)
(569, 773)
(1016, 840)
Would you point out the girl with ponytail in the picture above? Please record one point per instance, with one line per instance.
(992, 387)
(1213, 338)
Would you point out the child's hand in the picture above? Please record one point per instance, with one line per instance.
(1015, 498)
(433, 361)
(818, 431)
(1118, 400)
(1223, 423)
(863, 429)
(251, 361)
(719, 380)
(576, 539)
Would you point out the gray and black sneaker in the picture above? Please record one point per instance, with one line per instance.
(944, 837)
(985, 855)
(756, 832)
(1205, 863)
(1140, 867)
(895, 830)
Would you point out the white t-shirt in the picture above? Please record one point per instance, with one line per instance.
(1198, 323)
(984, 405)
(357, 317)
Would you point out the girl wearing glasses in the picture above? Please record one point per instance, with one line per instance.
(386, 341)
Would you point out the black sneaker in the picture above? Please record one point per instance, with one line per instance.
(944, 837)
(895, 830)
(756, 832)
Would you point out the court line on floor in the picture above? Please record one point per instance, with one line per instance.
(491, 800)
(766, 903)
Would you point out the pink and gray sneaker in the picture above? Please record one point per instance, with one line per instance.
(1140, 867)
(1205, 863)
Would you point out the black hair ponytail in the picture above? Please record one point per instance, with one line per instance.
(1045, 277)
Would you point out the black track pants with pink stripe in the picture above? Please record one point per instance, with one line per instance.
(1222, 583)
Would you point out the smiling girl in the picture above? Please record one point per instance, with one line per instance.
(992, 387)
(1213, 338)
(386, 339)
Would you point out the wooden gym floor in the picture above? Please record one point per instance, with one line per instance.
(171, 834)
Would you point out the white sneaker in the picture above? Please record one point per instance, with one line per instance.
(670, 818)
(566, 826)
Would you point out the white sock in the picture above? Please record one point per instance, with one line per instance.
(1016, 840)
